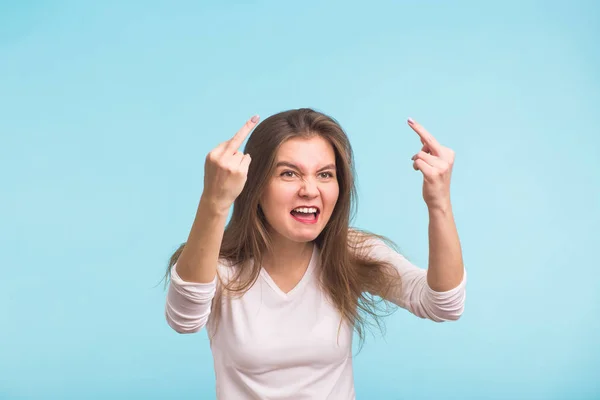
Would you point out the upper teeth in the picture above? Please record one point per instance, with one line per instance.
(306, 210)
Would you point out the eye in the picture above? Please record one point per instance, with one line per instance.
(326, 175)
(287, 174)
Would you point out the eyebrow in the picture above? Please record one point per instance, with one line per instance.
(294, 166)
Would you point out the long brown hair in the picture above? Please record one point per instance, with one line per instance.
(355, 283)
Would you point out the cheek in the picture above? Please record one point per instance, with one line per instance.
(268, 199)
(330, 196)
(279, 195)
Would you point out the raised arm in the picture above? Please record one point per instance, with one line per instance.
(193, 277)
(445, 256)
(437, 293)
(225, 174)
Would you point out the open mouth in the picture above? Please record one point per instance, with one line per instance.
(308, 215)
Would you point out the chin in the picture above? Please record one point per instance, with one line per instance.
(303, 236)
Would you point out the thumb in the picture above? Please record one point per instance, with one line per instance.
(245, 164)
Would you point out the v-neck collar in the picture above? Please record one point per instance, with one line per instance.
(309, 270)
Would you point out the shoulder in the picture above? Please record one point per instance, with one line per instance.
(231, 274)
(225, 270)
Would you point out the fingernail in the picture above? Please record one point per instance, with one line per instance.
(411, 121)
(255, 118)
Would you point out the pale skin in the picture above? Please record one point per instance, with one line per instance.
(435, 161)
(225, 174)
(307, 177)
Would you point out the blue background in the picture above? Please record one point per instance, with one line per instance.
(107, 111)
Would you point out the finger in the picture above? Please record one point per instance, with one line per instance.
(430, 159)
(235, 142)
(220, 149)
(426, 137)
(245, 164)
(235, 160)
(420, 165)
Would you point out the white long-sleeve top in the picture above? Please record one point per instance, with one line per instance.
(274, 345)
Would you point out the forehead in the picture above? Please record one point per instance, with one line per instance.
(306, 152)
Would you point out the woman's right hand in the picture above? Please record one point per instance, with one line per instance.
(226, 170)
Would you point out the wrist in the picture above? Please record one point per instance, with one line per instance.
(442, 208)
(213, 207)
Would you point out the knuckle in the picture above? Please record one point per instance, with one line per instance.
(224, 166)
(212, 156)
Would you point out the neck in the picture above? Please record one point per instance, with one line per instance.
(288, 256)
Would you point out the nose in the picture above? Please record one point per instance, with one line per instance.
(308, 189)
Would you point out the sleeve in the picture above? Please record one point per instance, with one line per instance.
(188, 304)
(414, 293)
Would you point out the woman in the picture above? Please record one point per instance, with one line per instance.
(283, 286)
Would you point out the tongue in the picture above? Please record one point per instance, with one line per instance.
(304, 216)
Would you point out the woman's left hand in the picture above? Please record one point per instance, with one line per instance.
(435, 162)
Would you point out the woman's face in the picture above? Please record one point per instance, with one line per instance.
(303, 190)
